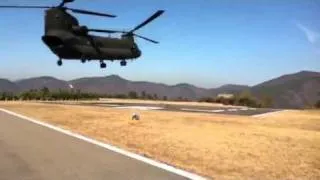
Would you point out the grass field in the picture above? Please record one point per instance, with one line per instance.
(281, 146)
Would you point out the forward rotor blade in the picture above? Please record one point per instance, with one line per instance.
(90, 12)
(27, 7)
(151, 18)
(147, 39)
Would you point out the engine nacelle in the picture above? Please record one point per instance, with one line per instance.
(80, 30)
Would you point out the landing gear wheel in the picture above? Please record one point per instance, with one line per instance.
(83, 59)
(103, 65)
(123, 63)
(59, 62)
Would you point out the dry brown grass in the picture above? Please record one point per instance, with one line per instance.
(282, 146)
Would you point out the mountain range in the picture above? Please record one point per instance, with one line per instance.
(295, 90)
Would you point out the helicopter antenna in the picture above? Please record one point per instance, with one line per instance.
(61, 6)
(131, 32)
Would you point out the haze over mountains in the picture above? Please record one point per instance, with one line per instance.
(288, 91)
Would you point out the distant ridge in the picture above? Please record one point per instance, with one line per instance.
(294, 90)
(8, 86)
(40, 82)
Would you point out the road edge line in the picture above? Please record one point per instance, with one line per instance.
(110, 147)
(268, 113)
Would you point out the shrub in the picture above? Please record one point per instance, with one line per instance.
(317, 105)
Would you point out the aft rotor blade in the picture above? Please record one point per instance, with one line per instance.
(151, 18)
(90, 12)
(27, 7)
(147, 39)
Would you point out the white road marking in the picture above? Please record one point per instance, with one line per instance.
(108, 105)
(268, 113)
(232, 110)
(139, 107)
(217, 110)
(244, 109)
(110, 147)
(200, 110)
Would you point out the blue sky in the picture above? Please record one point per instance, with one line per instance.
(206, 43)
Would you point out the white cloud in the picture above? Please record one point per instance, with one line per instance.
(311, 35)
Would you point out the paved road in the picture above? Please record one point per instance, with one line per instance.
(183, 108)
(32, 152)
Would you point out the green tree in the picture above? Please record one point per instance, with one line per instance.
(149, 96)
(155, 96)
(143, 94)
(317, 105)
(133, 95)
(207, 99)
(246, 99)
(121, 96)
(24, 96)
(45, 93)
(2, 96)
(165, 98)
(180, 98)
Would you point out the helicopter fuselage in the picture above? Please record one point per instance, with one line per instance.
(68, 40)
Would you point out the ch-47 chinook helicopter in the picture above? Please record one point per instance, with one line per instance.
(68, 40)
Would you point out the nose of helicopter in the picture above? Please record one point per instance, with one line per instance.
(136, 52)
(139, 53)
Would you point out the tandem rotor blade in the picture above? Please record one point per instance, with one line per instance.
(90, 12)
(151, 18)
(131, 32)
(147, 39)
(71, 9)
(27, 7)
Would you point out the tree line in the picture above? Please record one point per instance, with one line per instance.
(246, 99)
(242, 99)
(318, 104)
(46, 94)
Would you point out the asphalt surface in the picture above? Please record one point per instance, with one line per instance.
(183, 108)
(31, 152)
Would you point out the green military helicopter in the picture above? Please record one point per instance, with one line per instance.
(70, 41)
